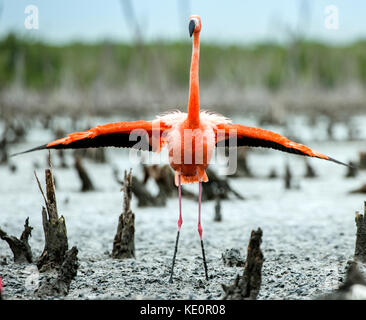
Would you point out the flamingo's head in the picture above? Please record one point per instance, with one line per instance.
(194, 25)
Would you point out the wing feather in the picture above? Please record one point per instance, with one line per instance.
(256, 137)
(132, 134)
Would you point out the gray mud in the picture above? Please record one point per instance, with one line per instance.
(308, 233)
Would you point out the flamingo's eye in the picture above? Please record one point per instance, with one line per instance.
(191, 27)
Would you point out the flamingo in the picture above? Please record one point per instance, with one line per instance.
(174, 130)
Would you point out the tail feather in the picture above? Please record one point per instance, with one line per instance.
(200, 177)
(30, 150)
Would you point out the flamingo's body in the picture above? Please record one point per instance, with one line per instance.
(205, 133)
(170, 130)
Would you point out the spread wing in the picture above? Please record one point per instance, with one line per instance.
(142, 135)
(256, 137)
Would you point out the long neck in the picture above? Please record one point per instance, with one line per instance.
(193, 102)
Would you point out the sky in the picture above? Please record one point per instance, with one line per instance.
(224, 21)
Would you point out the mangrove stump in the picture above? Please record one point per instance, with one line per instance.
(288, 177)
(247, 286)
(59, 133)
(164, 178)
(218, 215)
(57, 283)
(143, 195)
(217, 187)
(20, 247)
(272, 174)
(362, 162)
(4, 156)
(354, 288)
(56, 243)
(242, 169)
(309, 171)
(352, 170)
(360, 248)
(86, 183)
(361, 189)
(124, 240)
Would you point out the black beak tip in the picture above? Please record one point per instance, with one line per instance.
(191, 27)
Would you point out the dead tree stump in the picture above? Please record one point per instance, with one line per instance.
(218, 216)
(124, 240)
(58, 283)
(354, 276)
(362, 164)
(56, 243)
(144, 197)
(361, 189)
(353, 288)
(4, 157)
(352, 170)
(330, 129)
(217, 187)
(309, 171)
(63, 163)
(20, 247)
(272, 174)
(86, 183)
(242, 169)
(164, 178)
(288, 177)
(59, 133)
(247, 286)
(360, 248)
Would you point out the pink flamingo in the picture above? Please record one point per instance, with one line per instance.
(172, 130)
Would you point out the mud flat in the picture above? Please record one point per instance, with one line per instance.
(308, 233)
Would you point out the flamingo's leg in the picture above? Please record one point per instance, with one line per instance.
(200, 229)
(180, 221)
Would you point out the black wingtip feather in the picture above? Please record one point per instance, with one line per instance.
(342, 163)
(30, 150)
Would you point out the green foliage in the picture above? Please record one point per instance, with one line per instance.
(42, 66)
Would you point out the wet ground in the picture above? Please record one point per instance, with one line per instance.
(308, 232)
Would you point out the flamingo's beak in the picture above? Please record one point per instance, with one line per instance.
(191, 27)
